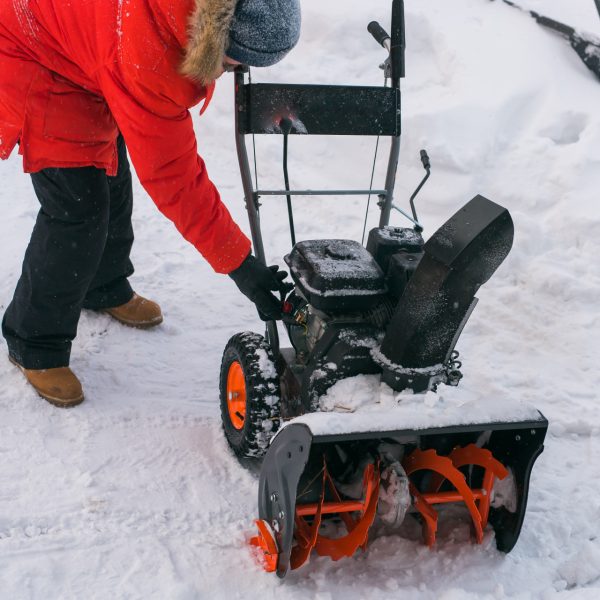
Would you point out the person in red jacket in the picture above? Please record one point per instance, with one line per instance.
(80, 85)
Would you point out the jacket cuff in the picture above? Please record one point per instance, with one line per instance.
(230, 255)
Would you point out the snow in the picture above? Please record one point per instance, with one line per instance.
(363, 403)
(134, 494)
(381, 359)
(265, 364)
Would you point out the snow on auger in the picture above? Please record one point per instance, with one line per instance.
(395, 308)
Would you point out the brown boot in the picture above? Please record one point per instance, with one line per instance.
(59, 386)
(138, 312)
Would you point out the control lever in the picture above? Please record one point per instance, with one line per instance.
(427, 166)
(382, 37)
(380, 34)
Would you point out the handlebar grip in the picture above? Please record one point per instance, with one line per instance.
(425, 160)
(398, 40)
(378, 32)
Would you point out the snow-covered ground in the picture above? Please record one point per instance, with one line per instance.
(135, 494)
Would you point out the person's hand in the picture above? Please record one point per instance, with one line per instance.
(258, 282)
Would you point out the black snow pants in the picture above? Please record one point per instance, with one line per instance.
(78, 257)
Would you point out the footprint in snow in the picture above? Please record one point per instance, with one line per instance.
(567, 128)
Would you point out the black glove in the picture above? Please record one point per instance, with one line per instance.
(257, 282)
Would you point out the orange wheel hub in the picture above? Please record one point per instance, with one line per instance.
(236, 395)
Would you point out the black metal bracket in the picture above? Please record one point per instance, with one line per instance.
(318, 109)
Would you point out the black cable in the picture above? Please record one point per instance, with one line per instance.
(385, 82)
(286, 126)
(370, 188)
(253, 140)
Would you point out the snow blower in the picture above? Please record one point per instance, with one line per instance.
(392, 309)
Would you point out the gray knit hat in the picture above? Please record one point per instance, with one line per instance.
(254, 32)
(263, 31)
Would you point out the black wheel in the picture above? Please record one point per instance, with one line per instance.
(249, 393)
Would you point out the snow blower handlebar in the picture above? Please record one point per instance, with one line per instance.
(380, 34)
(398, 41)
(292, 109)
(396, 44)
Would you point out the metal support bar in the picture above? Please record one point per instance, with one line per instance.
(390, 180)
(397, 52)
(320, 192)
(252, 208)
(249, 194)
(406, 215)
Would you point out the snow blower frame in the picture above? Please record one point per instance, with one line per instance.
(395, 308)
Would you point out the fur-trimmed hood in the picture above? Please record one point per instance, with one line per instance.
(208, 39)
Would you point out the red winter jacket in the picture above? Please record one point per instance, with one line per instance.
(75, 72)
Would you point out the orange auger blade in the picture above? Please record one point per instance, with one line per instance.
(473, 455)
(307, 536)
(429, 460)
(358, 530)
(430, 516)
(267, 546)
(447, 468)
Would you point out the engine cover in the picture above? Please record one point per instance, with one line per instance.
(336, 275)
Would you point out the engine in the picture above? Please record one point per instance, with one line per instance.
(340, 283)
